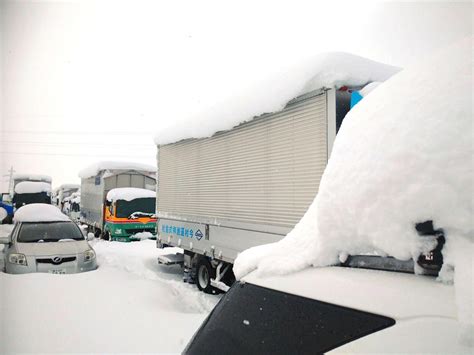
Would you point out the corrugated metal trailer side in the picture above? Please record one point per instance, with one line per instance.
(247, 186)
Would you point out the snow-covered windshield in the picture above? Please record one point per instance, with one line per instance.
(48, 232)
(127, 208)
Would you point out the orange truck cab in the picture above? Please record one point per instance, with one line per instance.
(129, 211)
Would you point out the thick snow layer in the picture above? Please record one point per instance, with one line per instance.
(129, 193)
(39, 212)
(32, 187)
(330, 70)
(403, 155)
(96, 168)
(369, 88)
(130, 304)
(32, 177)
(69, 186)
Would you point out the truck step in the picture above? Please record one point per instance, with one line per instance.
(171, 259)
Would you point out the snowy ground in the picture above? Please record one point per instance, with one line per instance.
(129, 305)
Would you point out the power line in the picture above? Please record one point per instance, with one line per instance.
(80, 155)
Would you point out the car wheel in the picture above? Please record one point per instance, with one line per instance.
(204, 273)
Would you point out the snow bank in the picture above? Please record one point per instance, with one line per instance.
(96, 168)
(129, 194)
(32, 187)
(369, 88)
(326, 70)
(403, 155)
(39, 212)
(32, 177)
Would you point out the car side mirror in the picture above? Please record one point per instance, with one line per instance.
(90, 236)
(4, 240)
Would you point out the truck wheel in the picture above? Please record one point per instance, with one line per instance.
(106, 236)
(204, 273)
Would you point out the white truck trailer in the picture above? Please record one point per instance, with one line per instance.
(243, 187)
(98, 179)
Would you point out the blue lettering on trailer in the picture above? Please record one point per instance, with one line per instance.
(181, 231)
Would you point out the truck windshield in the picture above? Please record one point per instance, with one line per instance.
(48, 232)
(127, 208)
(25, 199)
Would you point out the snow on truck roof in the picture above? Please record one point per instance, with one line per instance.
(39, 212)
(96, 168)
(32, 187)
(68, 186)
(414, 164)
(129, 194)
(32, 177)
(328, 70)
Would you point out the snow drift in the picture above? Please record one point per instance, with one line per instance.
(403, 155)
(96, 168)
(32, 187)
(326, 70)
(129, 194)
(39, 212)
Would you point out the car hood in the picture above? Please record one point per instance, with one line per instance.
(53, 248)
(392, 294)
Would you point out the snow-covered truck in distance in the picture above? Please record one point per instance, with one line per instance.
(29, 188)
(244, 187)
(97, 181)
(64, 191)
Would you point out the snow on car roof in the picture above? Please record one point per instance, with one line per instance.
(32, 177)
(327, 70)
(96, 168)
(129, 193)
(32, 187)
(39, 212)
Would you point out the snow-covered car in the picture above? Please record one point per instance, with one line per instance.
(45, 240)
(333, 310)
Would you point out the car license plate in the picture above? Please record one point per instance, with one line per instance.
(57, 271)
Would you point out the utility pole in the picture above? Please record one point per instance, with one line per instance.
(10, 177)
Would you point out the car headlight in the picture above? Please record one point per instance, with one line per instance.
(118, 231)
(19, 259)
(89, 255)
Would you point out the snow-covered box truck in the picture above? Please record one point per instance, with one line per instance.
(29, 188)
(250, 182)
(122, 215)
(243, 187)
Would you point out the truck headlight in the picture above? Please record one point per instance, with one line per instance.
(18, 259)
(89, 255)
(118, 231)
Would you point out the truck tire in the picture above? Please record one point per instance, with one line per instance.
(106, 236)
(204, 273)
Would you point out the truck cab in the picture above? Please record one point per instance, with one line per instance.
(129, 211)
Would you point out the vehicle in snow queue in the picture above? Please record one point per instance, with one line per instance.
(129, 211)
(341, 309)
(29, 188)
(97, 181)
(240, 188)
(45, 240)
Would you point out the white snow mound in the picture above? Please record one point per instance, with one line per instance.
(32, 177)
(403, 155)
(32, 187)
(129, 194)
(329, 70)
(96, 168)
(39, 212)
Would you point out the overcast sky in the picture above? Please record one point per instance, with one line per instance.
(83, 81)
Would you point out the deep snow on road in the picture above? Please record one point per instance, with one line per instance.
(130, 304)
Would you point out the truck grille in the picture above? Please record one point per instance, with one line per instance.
(56, 262)
(138, 230)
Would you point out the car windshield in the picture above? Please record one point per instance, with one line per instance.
(144, 205)
(48, 232)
